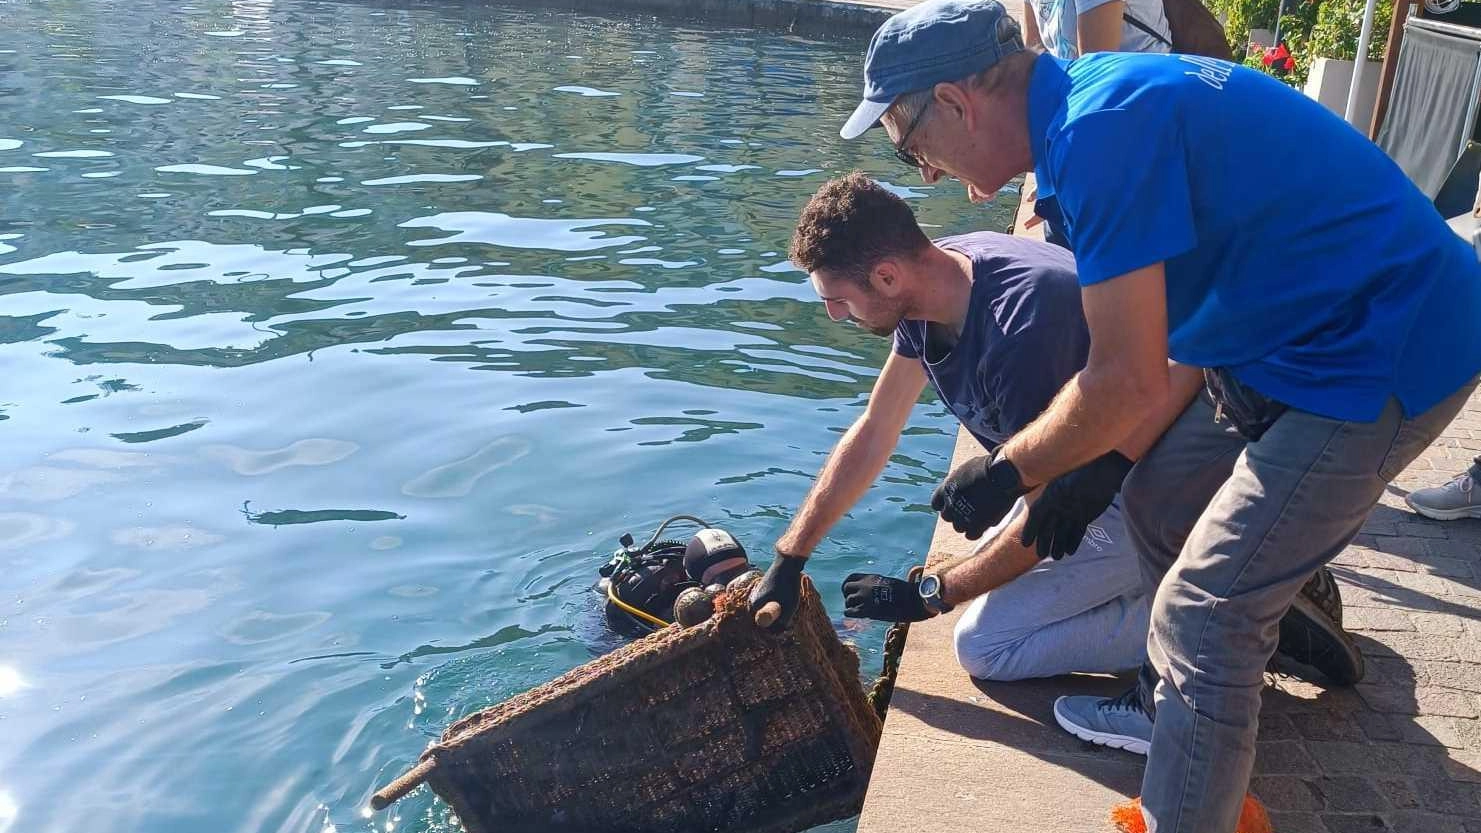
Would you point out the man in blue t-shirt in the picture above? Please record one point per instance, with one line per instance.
(993, 324)
(1335, 315)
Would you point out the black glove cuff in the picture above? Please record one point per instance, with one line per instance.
(1119, 463)
(1002, 474)
(787, 565)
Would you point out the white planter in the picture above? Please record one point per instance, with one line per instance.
(1329, 82)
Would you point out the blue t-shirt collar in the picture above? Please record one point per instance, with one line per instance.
(1048, 87)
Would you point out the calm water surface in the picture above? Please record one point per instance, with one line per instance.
(340, 342)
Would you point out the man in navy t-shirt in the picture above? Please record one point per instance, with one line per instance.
(1224, 221)
(993, 324)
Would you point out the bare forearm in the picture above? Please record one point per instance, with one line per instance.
(1092, 414)
(854, 464)
(1099, 29)
(1031, 36)
(998, 562)
(1124, 384)
(1184, 383)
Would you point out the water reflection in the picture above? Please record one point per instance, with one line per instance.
(358, 334)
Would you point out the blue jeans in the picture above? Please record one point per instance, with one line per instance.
(1084, 613)
(1228, 532)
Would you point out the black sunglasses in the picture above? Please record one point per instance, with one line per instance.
(900, 152)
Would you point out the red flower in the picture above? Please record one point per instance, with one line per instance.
(1278, 57)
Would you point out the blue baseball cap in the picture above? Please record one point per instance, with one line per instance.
(934, 42)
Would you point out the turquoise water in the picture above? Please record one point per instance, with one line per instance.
(342, 341)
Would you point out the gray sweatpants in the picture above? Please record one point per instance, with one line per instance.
(1087, 612)
(1228, 531)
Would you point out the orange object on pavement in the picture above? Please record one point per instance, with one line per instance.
(1127, 816)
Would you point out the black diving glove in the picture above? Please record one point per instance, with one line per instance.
(978, 494)
(1057, 520)
(781, 584)
(871, 596)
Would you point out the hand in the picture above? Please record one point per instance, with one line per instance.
(781, 584)
(870, 596)
(1057, 520)
(978, 494)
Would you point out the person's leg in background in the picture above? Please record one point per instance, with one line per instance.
(1457, 499)
(1295, 498)
(1085, 613)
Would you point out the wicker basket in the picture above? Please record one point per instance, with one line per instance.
(719, 726)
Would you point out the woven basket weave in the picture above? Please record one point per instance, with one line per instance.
(719, 726)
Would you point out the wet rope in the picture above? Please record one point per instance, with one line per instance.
(894, 646)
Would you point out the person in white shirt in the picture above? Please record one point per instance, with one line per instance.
(1071, 28)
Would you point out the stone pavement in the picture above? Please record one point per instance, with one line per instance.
(1399, 752)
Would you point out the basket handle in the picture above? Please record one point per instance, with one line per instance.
(767, 615)
(396, 790)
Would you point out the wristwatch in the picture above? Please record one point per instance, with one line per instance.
(932, 593)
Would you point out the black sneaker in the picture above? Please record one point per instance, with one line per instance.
(1322, 589)
(1311, 632)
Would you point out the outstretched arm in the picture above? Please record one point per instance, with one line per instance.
(858, 458)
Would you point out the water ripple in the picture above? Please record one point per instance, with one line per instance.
(498, 229)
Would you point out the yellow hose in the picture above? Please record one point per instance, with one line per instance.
(646, 617)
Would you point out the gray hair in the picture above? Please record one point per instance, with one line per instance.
(907, 106)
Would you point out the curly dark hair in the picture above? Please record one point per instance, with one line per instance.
(851, 224)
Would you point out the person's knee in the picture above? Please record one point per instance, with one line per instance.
(986, 656)
(1196, 634)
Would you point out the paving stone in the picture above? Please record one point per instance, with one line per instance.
(1377, 619)
(1327, 726)
(1454, 732)
(1378, 526)
(1412, 646)
(1422, 700)
(1349, 794)
(1422, 589)
(1378, 757)
(1422, 529)
(1390, 699)
(1367, 594)
(1465, 551)
(1397, 791)
(1380, 726)
(1286, 794)
(1463, 765)
(1461, 588)
(1283, 757)
(1297, 823)
(1423, 822)
(1390, 670)
(1435, 624)
(1277, 727)
(1463, 676)
(1446, 796)
(1468, 650)
(1390, 552)
(1354, 823)
(1446, 701)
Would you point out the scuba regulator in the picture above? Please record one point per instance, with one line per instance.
(641, 583)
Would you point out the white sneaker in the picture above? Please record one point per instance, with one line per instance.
(1456, 499)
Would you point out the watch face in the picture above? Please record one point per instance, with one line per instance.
(930, 587)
